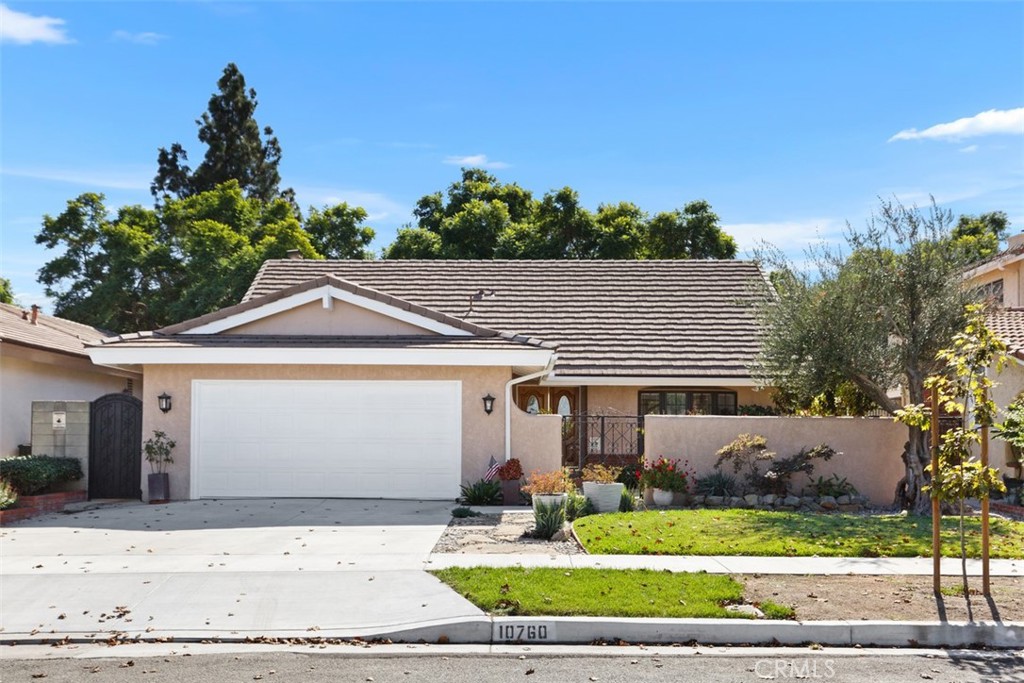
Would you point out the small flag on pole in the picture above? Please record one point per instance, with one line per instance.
(492, 469)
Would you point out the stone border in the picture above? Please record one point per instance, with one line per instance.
(33, 506)
(790, 503)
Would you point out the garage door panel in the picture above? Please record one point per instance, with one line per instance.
(327, 438)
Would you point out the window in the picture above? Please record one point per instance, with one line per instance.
(532, 405)
(686, 402)
(991, 292)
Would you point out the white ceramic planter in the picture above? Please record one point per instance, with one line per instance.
(549, 499)
(605, 497)
(662, 498)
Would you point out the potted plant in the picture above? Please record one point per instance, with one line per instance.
(549, 492)
(667, 478)
(158, 454)
(1011, 430)
(600, 485)
(510, 473)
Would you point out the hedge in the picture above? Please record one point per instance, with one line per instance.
(8, 496)
(32, 474)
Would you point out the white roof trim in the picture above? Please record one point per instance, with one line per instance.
(997, 264)
(565, 381)
(327, 294)
(114, 355)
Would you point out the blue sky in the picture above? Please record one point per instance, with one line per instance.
(789, 118)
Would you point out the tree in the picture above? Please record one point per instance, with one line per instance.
(337, 232)
(978, 237)
(234, 149)
(414, 243)
(876, 318)
(693, 233)
(621, 230)
(6, 291)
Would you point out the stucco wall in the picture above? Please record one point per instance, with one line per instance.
(1009, 384)
(342, 319)
(23, 380)
(624, 400)
(871, 447)
(1012, 284)
(482, 434)
(536, 441)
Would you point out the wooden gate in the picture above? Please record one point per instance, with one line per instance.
(115, 447)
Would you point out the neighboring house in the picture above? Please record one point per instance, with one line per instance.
(1008, 324)
(999, 278)
(43, 358)
(404, 378)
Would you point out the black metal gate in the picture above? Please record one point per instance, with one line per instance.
(115, 447)
(602, 439)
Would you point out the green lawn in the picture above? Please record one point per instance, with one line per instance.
(755, 532)
(600, 592)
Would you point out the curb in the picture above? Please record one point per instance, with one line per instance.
(486, 630)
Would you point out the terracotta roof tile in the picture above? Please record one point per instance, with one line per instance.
(1008, 324)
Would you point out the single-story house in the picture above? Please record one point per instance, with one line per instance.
(44, 358)
(402, 379)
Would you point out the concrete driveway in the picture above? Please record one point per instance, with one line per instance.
(295, 567)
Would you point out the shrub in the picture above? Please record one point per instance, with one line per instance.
(483, 492)
(548, 519)
(158, 451)
(756, 410)
(577, 505)
(463, 512)
(512, 470)
(626, 502)
(667, 475)
(744, 454)
(631, 476)
(32, 474)
(716, 483)
(834, 486)
(779, 476)
(541, 483)
(8, 496)
(602, 474)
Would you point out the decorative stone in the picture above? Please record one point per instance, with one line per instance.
(791, 501)
(751, 499)
(714, 501)
(828, 502)
(561, 535)
(745, 609)
(843, 500)
(814, 507)
(769, 499)
(849, 508)
(737, 502)
(808, 500)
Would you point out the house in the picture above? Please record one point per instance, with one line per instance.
(44, 358)
(402, 379)
(999, 278)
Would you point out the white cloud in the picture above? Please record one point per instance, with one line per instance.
(114, 179)
(792, 237)
(991, 122)
(969, 149)
(474, 160)
(379, 207)
(143, 38)
(24, 29)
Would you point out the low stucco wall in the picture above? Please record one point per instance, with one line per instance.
(625, 400)
(1009, 384)
(483, 435)
(870, 447)
(536, 441)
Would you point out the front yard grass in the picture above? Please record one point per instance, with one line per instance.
(793, 534)
(600, 592)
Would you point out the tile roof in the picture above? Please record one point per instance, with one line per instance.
(213, 341)
(1008, 325)
(608, 318)
(49, 333)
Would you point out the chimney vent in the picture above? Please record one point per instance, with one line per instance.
(294, 254)
(35, 313)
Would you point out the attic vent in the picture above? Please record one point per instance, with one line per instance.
(294, 254)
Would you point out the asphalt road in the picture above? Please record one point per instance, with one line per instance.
(340, 665)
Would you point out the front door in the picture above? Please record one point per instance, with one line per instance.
(115, 447)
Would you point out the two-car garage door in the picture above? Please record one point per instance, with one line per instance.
(345, 439)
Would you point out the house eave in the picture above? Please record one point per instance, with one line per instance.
(647, 380)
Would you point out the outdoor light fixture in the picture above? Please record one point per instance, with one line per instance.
(164, 401)
(488, 404)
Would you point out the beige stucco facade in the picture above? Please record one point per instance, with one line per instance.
(28, 375)
(536, 441)
(624, 400)
(483, 435)
(870, 447)
(1009, 385)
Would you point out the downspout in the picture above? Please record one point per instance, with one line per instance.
(508, 401)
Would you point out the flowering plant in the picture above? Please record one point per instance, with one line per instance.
(667, 475)
(602, 474)
(512, 470)
(544, 483)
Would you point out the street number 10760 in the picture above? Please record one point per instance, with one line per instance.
(522, 632)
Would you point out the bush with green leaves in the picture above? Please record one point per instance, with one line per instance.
(577, 505)
(631, 475)
(717, 483)
(627, 503)
(779, 477)
(8, 496)
(548, 519)
(483, 492)
(747, 453)
(834, 486)
(34, 474)
(462, 512)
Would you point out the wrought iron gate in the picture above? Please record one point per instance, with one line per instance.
(115, 447)
(601, 439)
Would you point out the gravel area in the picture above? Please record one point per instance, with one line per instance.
(504, 533)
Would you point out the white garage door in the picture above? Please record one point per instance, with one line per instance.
(326, 439)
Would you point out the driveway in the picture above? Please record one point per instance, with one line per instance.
(298, 567)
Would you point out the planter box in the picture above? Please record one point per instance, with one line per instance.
(33, 506)
(159, 487)
(605, 497)
(510, 493)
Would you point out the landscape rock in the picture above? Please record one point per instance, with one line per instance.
(843, 500)
(745, 609)
(791, 501)
(751, 499)
(828, 503)
(769, 499)
(715, 501)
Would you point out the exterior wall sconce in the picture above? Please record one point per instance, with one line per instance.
(488, 404)
(164, 401)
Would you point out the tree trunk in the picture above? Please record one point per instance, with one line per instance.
(916, 457)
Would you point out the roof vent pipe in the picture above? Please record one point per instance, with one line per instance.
(294, 254)
(35, 313)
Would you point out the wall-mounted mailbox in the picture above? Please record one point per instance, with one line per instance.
(60, 419)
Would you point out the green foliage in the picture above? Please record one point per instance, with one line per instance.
(33, 474)
(336, 232)
(483, 492)
(627, 500)
(577, 505)
(778, 478)
(596, 592)
(744, 454)
(834, 486)
(667, 475)
(757, 410)
(414, 243)
(773, 610)
(691, 233)
(463, 512)
(6, 291)
(786, 534)
(8, 496)
(548, 519)
(844, 400)
(158, 451)
(716, 483)
(234, 149)
(631, 476)
(977, 238)
(1011, 429)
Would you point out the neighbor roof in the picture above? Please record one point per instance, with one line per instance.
(49, 333)
(1008, 325)
(608, 318)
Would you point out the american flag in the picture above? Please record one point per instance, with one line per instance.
(492, 469)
